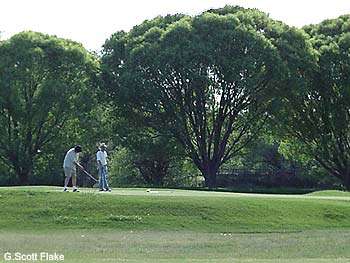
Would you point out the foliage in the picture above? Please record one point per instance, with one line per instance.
(180, 88)
(151, 152)
(183, 173)
(317, 103)
(309, 168)
(206, 80)
(125, 172)
(122, 170)
(45, 86)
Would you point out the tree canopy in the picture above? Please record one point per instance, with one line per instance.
(181, 87)
(207, 80)
(317, 106)
(44, 82)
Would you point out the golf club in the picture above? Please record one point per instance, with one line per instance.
(91, 177)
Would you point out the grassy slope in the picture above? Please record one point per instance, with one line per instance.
(135, 209)
(128, 225)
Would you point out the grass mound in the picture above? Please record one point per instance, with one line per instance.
(173, 226)
(136, 209)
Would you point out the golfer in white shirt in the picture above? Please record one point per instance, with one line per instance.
(101, 157)
(69, 166)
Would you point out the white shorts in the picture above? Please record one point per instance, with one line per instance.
(69, 171)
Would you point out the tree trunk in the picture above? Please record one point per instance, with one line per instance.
(23, 176)
(210, 172)
(161, 170)
(347, 181)
(22, 166)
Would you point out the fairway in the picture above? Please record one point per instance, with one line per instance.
(165, 225)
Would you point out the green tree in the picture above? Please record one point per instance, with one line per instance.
(151, 152)
(45, 83)
(206, 79)
(317, 104)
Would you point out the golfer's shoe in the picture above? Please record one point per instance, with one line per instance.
(76, 190)
(101, 190)
(65, 190)
(109, 189)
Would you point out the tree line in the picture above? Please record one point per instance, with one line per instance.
(176, 91)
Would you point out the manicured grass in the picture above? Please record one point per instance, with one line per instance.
(165, 225)
(182, 246)
(136, 209)
(330, 193)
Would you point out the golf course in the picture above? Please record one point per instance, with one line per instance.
(166, 225)
(175, 132)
